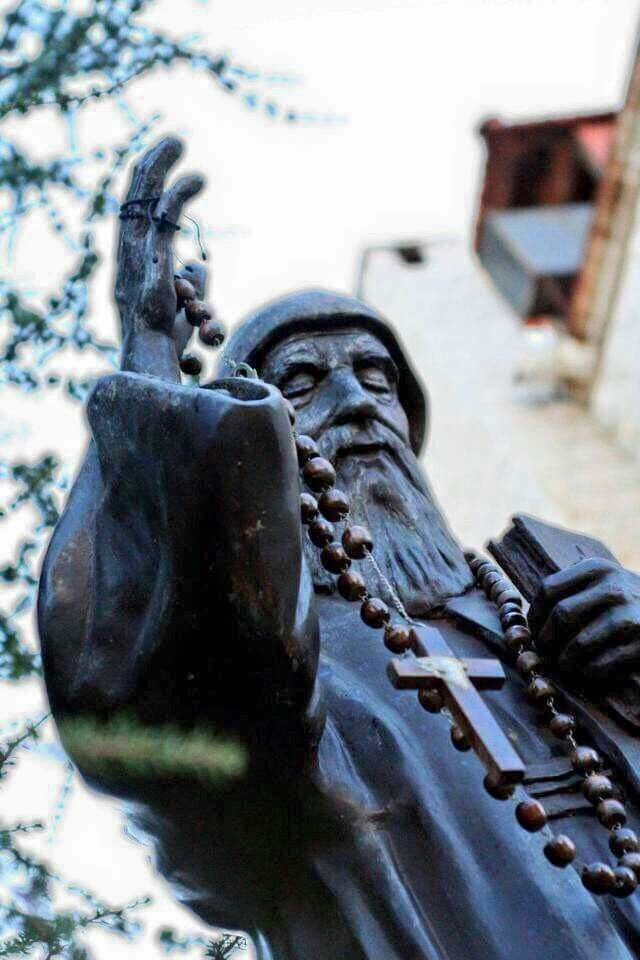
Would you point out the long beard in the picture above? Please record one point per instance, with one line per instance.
(413, 546)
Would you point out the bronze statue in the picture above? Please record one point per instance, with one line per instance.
(179, 587)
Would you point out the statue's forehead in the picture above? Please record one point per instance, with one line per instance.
(325, 344)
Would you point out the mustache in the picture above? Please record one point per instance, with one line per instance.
(338, 442)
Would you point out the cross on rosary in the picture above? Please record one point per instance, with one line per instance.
(458, 681)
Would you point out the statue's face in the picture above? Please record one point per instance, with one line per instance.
(337, 377)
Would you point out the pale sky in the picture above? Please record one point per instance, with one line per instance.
(292, 206)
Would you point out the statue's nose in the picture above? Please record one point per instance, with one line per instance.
(353, 402)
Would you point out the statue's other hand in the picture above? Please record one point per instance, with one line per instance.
(145, 283)
(586, 618)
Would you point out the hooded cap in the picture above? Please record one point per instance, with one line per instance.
(309, 310)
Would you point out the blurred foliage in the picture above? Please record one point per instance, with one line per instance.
(56, 59)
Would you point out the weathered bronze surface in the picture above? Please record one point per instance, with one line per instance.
(179, 588)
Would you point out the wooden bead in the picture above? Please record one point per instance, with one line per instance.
(562, 725)
(598, 878)
(190, 365)
(430, 700)
(334, 559)
(625, 882)
(496, 789)
(499, 587)
(624, 841)
(459, 739)
(334, 505)
(474, 562)
(527, 662)
(397, 638)
(611, 813)
(539, 691)
(319, 473)
(184, 290)
(514, 618)
(306, 449)
(308, 508)
(507, 595)
(490, 578)
(585, 759)
(531, 815)
(630, 860)
(197, 312)
(511, 607)
(374, 612)
(560, 851)
(351, 585)
(597, 787)
(357, 541)
(321, 532)
(211, 333)
(516, 637)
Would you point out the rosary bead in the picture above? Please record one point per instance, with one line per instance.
(531, 815)
(527, 662)
(308, 507)
(475, 563)
(357, 541)
(306, 448)
(510, 607)
(598, 878)
(397, 638)
(625, 882)
(184, 290)
(496, 789)
(351, 585)
(498, 587)
(514, 618)
(611, 813)
(459, 739)
(597, 787)
(630, 860)
(374, 612)
(211, 333)
(585, 759)
(539, 691)
(507, 595)
(483, 568)
(190, 365)
(321, 532)
(516, 637)
(334, 559)
(624, 841)
(334, 505)
(431, 700)
(490, 579)
(197, 312)
(319, 473)
(560, 851)
(562, 725)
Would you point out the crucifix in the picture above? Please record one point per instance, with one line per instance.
(458, 681)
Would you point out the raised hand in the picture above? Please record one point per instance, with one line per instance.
(145, 284)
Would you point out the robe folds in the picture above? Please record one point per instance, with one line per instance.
(175, 586)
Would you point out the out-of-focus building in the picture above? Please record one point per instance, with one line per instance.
(537, 205)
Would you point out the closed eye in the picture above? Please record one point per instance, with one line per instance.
(300, 381)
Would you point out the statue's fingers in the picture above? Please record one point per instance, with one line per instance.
(182, 333)
(196, 274)
(615, 660)
(610, 629)
(569, 616)
(149, 173)
(173, 200)
(564, 584)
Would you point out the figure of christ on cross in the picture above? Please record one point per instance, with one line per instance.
(179, 589)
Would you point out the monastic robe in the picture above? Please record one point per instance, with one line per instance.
(175, 584)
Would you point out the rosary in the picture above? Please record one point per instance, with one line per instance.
(448, 684)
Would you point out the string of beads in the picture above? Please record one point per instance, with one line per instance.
(321, 507)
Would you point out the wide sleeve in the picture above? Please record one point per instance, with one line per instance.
(175, 583)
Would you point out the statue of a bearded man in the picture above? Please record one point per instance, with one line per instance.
(179, 589)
